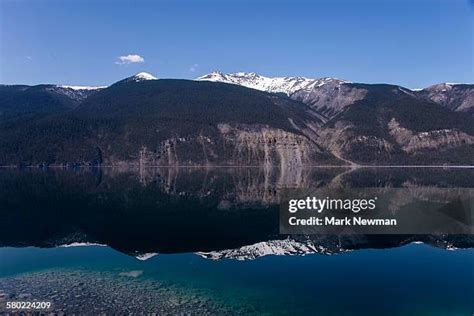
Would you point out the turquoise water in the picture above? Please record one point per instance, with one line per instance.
(415, 279)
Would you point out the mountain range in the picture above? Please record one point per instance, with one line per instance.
(236, 119)
(332, 95)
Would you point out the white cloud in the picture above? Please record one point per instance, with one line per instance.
(129, 59)
(193, 68)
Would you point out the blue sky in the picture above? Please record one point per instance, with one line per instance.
(414, 43)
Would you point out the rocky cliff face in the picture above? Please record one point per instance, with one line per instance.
(228, 145)
(411, 141)
(269, 147)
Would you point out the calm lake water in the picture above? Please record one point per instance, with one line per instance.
(206, 241)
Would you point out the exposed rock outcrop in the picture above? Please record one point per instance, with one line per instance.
(244, 145)
(412, 141)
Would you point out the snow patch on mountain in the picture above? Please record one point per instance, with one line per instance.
(76, 93)
(80, 244)
(79, 88)
(287, 85)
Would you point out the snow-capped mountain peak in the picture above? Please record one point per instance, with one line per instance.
(287, 85)
(142, 76)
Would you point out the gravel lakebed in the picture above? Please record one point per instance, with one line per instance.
(96, 292)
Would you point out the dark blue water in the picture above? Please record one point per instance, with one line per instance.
(414, 279)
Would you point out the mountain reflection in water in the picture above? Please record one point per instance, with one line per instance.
(215, 212)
